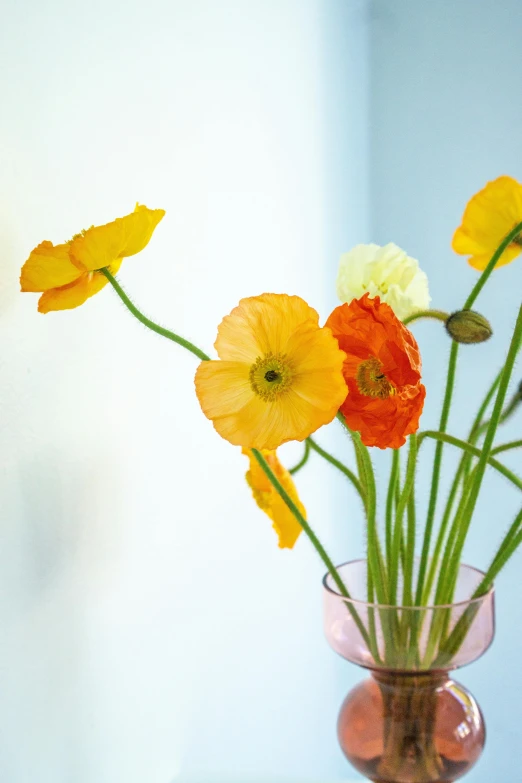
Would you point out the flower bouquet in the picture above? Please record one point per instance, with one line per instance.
(410, 612)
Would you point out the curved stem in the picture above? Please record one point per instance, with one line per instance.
(481, 282)
(457, 636)
(375, 559)
(437, 463)
(302, 521)
(439, 315)
(507, 548)
(150, 324)
(514, 444)
(477, 288)
(321, 551)
(339, 465)
(506, 413)
(304, 459)
(484, 458)
(474, 450)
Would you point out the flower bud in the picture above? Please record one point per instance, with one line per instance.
(467, 326)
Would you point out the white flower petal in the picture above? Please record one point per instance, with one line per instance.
(386, 272)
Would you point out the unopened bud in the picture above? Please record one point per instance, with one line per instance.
(467, 326)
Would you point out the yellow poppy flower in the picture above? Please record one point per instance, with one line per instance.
(67, 274)
(279, 377)
(489, 216)
(270, 501)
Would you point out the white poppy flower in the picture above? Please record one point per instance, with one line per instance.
(386, 272)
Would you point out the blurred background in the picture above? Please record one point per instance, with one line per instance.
(151, 630)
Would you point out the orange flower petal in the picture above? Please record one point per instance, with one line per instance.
(100, 246)
(269, 500)
(368, 328)
(48, 266)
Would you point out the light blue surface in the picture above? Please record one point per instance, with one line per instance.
(446, 116)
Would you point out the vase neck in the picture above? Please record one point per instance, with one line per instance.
(410, 680)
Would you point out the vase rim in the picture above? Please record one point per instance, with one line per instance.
(433, 607)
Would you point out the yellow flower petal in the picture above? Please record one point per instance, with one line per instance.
(100, 246)
(48, 266)
(286, 380)
(222, 388)
(489, 216)
(481, 260)
(268, 499)
(255, 327)
(76, 293)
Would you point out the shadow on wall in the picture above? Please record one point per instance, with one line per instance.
(53, 554)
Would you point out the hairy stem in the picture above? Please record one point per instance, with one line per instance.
(151, 324)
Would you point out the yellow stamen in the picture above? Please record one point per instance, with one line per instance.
(270, 376)
(371, 380)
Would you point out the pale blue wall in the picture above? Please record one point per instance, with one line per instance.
(446, 116)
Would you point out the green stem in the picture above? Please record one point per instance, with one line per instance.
(409, 481)
(375, 559)
(321, 551)
(477, 428)
(302, 521)
(507, 548)
(514, 444)
(339, 465)
(486, 449)
(437, 463)
(390, 502)
(475, 451)
(477, 424)
(434, 562)
(481, 282)
(457, 636)
(506, 413)
(444, 575)
(450, 381)
(439, 315)
(150, 324)
(302, 462)
(407, 599)
(440, 617)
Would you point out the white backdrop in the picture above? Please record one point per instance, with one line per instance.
(151, 629)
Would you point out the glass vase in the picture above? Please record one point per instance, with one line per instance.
(409, 722)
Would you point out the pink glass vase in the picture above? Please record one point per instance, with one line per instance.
(409, 722)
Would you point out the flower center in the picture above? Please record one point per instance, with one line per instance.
(371, 381)
(270, 376)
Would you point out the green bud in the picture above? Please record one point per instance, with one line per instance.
(467, 326)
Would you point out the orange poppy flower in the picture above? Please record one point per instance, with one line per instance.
(270, 501)
(489, 217)
(382, 370)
